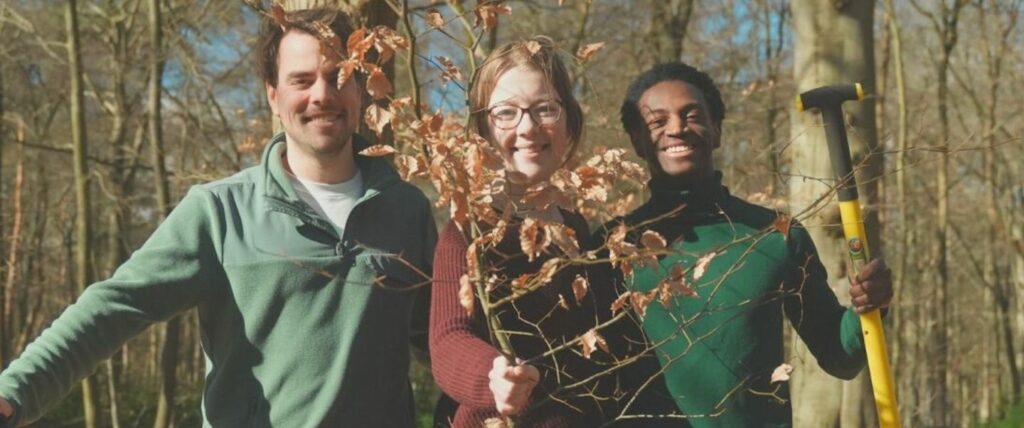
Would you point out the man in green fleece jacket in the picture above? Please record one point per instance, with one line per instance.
(304, 270)
(732, 275)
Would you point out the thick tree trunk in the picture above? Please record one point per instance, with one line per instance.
(833, 44)
(83, 222)
(669, 21)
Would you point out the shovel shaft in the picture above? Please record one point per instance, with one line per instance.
(871, 322)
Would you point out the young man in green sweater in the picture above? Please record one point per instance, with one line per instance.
(303, 270)
(718, 347)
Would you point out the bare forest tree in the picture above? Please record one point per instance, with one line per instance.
(164, 94)
(832, 44)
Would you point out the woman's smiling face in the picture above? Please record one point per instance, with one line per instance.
(537, 145)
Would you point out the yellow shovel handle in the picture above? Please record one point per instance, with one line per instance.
(871, 322)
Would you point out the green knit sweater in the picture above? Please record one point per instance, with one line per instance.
(719, 349)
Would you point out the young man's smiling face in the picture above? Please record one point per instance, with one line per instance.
(678, 136)
(318, 118)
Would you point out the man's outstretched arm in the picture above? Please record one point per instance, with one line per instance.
(168, 275)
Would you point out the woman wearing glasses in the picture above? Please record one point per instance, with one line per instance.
(522, 103)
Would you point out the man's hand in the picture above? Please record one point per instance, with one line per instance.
(6, 411)
(512, 385)
(871, 288)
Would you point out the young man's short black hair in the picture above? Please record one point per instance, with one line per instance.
(632, 119)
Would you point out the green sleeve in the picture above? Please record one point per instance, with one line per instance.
(168, 275)
(830, 330)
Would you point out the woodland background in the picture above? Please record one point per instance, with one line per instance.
(111, 109)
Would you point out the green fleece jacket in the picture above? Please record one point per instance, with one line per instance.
(300, 327)
(719, 349)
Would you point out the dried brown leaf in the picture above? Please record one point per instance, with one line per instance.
(389, 37)
(677, 282)
(639, 302)
(533, 47)
(781, 373)
(782, 224)
(564, 237)
(378, 85)
(377, 150)
(386, 42)
(590, 341)
(459, 207)
(434, 18)
(410, 166)
(466, 294)
(702, 265)
(377, 118)
(278, 14)
(521, 281)
(448, 70)
(664, 294)
(359, 43)
(401, 103)
(547, 271)
(580, 286)
(619, 251)
(530, 239)
(487, 14)
(345, 70)
(674, 285)
(436, 122)
(472, 262)
(587, 51)
(653, 240)
(620, 302)
(562, 303)
(543, 195)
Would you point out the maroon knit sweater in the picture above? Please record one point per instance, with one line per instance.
(461, 354)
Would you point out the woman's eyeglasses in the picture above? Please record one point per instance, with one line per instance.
(508, 116)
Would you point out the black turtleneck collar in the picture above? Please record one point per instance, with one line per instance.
(705, 198)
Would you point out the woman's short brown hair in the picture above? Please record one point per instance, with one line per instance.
(538, 53)
(271, 33)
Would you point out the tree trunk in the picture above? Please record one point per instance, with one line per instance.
(772, 51)
(1000, 283)
(119, 178)
(669, 21)
(83, 232)
(832, 45)
(170, 335)
(14, 247)
(5, 330)
(903, 287)
(34, 266)
(943, 406)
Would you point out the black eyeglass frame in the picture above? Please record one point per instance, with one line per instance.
(519, 114)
